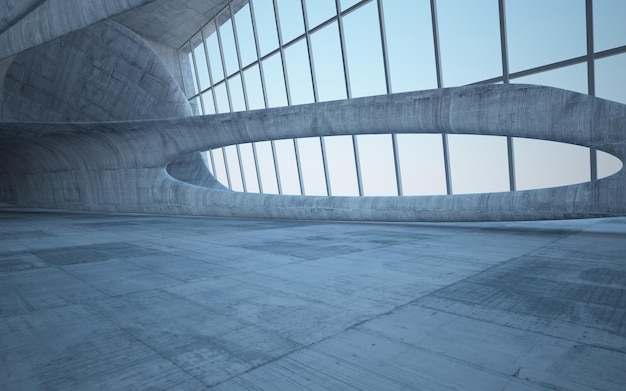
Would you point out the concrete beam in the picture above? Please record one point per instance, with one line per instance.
(121, 166)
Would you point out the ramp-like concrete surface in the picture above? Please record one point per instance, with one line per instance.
(132, 302)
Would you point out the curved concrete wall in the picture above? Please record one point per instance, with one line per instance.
(121, 166)
(104, 72)
(35, 22)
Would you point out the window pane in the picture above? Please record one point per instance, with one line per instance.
(254, 89)
(319, 11)
(421, 164)
(299, 73)
(312, 166)
(328, 64)
(228, 44)
(409, 35)
(341, 166)
(609, 28)
(245, 35)
(233, 167)
(611, 78)
(540, 164)
(378, 172)
(290, 15)
(222, 98)
(287, 168)
(607, 164)
(469, 36)
(274, 81)
(266, 167)
(345, 4)
(201, 65)
(236, 93)
(532, 33)
(220, 166)
(478, 164)
(249, 169)
(207, 101)
(573, 78)
(364, 52)
(265, 25)
(187, 67)
(215, 58)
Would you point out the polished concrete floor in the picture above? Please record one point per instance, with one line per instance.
(130, 302)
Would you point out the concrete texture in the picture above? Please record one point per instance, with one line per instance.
(131, 302)
(104, 72)
(123, 166)
(32, 22)
(171, 22)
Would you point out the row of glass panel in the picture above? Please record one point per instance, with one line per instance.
(418, 164)
(345, 56)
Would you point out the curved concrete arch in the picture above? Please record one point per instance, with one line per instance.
(37, 22)
(104, 72)
(134, 178)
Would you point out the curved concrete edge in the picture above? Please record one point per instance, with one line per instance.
(122, 166)
(54, 18)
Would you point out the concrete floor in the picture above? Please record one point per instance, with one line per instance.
(128, 302)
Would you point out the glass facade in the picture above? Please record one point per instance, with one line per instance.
(269, 53)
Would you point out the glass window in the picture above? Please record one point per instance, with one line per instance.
(249, 168)
(607, 164)
(609, 28)
(215, 58)
(265, 25)
(220, 166)
(254, 89)
(364, 52)
(299, 73)
(290, 15)
(245, 35)
(409, 33)
(222, 98)
(312, 166)
(478, 164)
(319, 11)
(328, 63)
(611, 78)
(187, 67)
(228, 44)
(345, 4)
(573, 78)
(469, 38)
(341, 166)
(540, 164)
(267, 170)
(232, 160)
(207, 102)
(274, 81)
(541, 32)
(236, 93)
(421, 164)
(287, 167)
(378, 169)
(201, 65)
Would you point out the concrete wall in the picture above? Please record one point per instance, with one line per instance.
(101, 73)
(50, 19)
(122, 166)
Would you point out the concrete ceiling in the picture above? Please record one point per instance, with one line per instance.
(170, 22)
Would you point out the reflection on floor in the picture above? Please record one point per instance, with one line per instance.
(97, 301)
